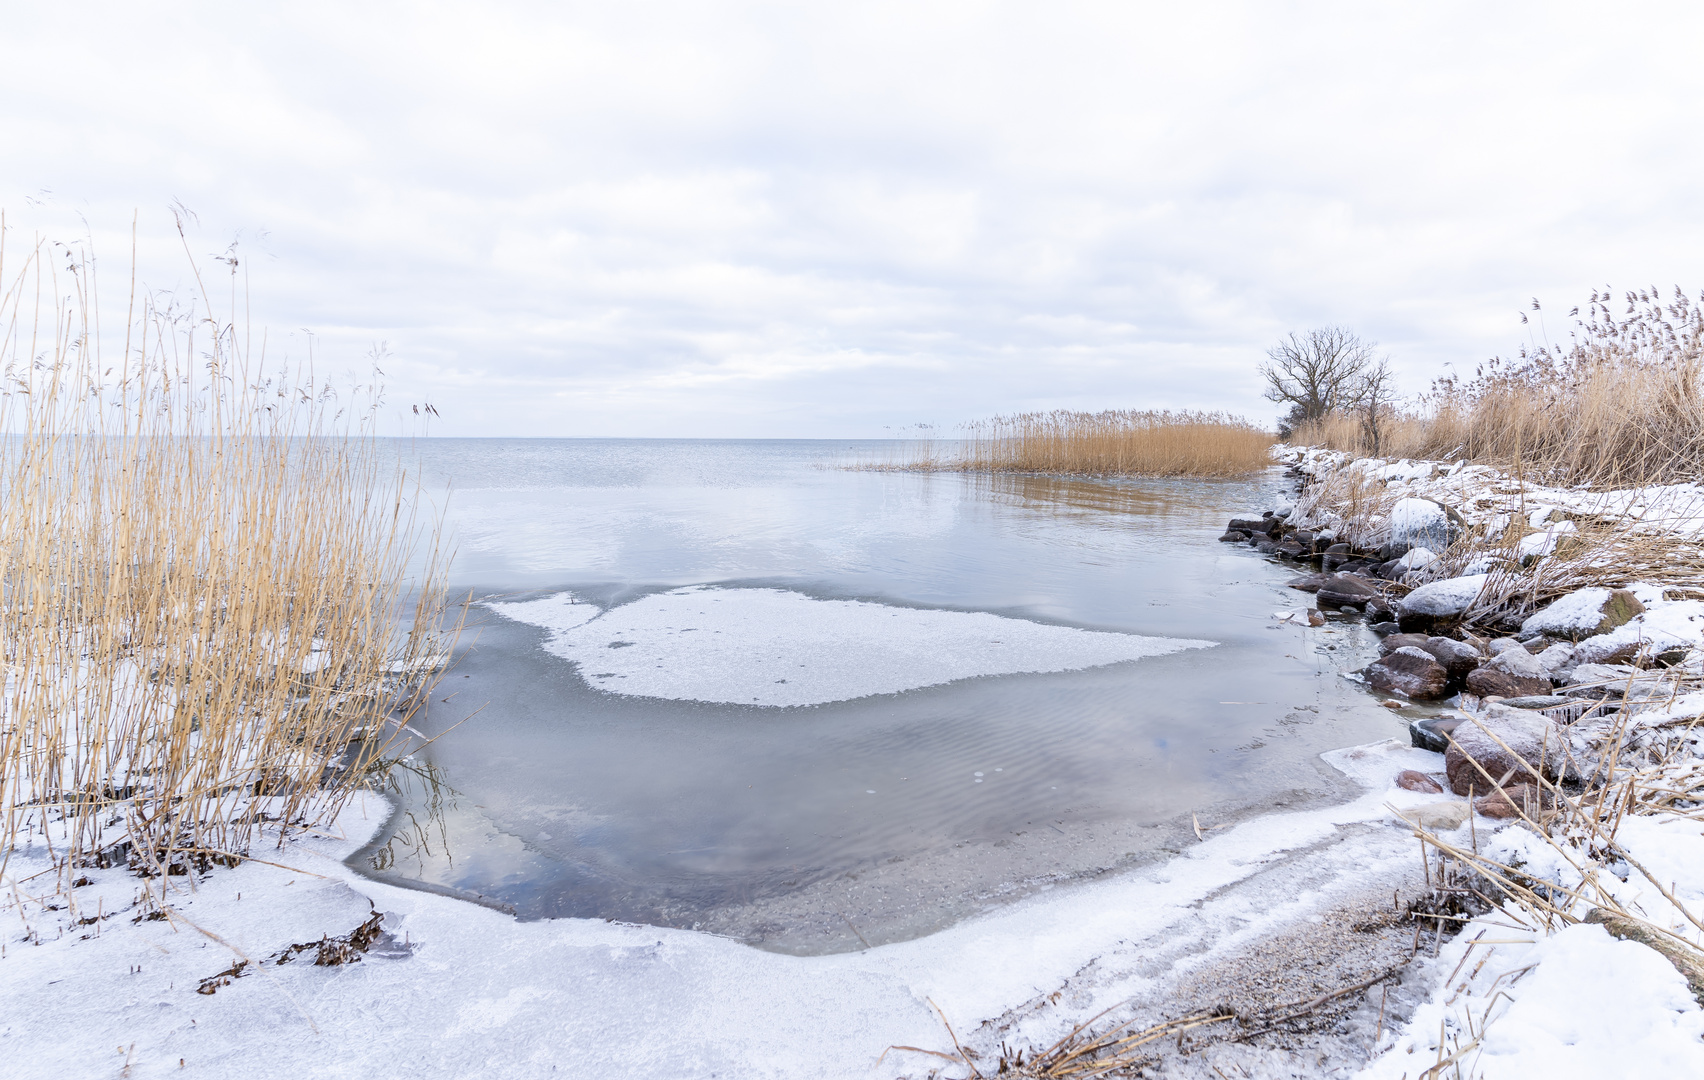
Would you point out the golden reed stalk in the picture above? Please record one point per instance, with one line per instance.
(219, 596)
(1120, 442)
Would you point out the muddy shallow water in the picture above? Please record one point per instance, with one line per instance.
(866, 817)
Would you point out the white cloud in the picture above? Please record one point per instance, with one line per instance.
(782, 219)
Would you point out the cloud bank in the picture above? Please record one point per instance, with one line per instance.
(753, 219)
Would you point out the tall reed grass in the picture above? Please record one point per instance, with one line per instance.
(220, 595)
(1119, 442)
(1621, 405)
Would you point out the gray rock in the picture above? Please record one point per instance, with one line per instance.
(1398, 641)
(1308, 582)
(1235, 536)
(1433, 732)
(1487, 681)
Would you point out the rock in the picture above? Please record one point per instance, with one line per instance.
(1266, 547)
(1413, 780)
(1343, 590)
(1412, 672)
(1417, 559)
(1517, 661)
(1497, 646)
(1304, 537)
(1438, 816)
(1338, 549)
(1512, 802)
(1383, 629)
(1390, 571)
(1251, 525)
(1608, 649)
(1432, 733)
(1291, 550)
(1420, 523)
(1689, 962)
(1557, 658)
(1538, 701)
(1458, 657)
(1308, 582)
(1398, 641)
(1585, 613)
(1439, 602)
(1537, 745)
(1487, 681)
(1235, 536)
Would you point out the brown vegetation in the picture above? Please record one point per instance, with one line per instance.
(217, 604)
(1114, 443)
(1621, 406)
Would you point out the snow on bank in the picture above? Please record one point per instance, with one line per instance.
(775, 647)
(464, 991)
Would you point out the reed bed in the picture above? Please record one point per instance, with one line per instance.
(220, 595)
(1120, 442)
(1621, 405)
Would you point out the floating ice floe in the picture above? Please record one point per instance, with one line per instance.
(776, 647)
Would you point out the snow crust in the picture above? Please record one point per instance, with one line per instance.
(1452, 596)
(466, 991)
(773, 647)
(1578, 612)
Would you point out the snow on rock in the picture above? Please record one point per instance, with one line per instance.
(1417, 559)
(1543, 543)
(1584, 612)
(1419, 523)
(1441, 599)
(774, 647)
(1669, 626)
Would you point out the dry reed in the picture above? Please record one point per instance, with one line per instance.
(219, 600)
(1622, 405)
(1120, 442)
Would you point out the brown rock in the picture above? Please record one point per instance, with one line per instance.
(1511, 802)
(1345, 590)
(1411, 672)
(1509, 746)
(1399, 641)
(1490, 682)
(1308, 582)
(1411, 780)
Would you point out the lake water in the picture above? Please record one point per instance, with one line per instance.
(734, 685)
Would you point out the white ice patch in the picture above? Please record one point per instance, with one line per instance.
(774, 647)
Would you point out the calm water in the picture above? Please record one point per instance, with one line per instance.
(819, 828)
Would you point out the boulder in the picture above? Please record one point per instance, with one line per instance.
(1517, 661)
(1513, 801)
(1398, 641)
(1487, 681)
(1291, 550)
(1439, 602)
(1383, 629)
(1252, 525)
(1433, 733)
(1412, 672)
(1266, 547)
(1420, 523)
(1308, 582)
(1345, 590)
(1417, 559)
(1235, 536)
(1458, 657)
(1585, 613)
(1507, 744)
(1412, 780)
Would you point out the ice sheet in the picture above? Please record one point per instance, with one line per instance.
(774, 647)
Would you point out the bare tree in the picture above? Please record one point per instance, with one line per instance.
(1324, 371)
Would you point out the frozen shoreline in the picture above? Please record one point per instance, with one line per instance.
(463, 989)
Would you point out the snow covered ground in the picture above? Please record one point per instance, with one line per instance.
(457, 990)
(778, 647)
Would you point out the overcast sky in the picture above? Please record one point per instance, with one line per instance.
(765, 219)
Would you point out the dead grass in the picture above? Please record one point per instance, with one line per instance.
(219, 595)
(1113, 443)
(1621, 405)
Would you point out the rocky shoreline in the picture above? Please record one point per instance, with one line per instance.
(1539, 682)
